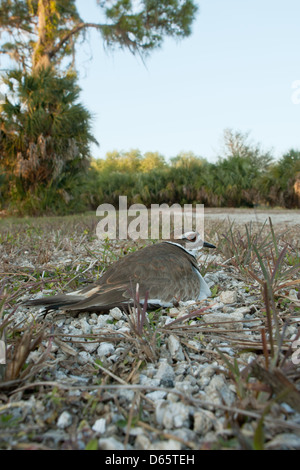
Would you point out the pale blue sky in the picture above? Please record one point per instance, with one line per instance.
(236, 70)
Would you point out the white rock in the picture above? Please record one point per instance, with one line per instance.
(171, 444)
(124, 329)
(89, 346)
(228, 297)
(233, 319)
(105, 349)
(206, 372)
(135, 431)
(156, 395)
(284, 441)
(142, 443)
(175, 348)
(165, 371)
(173, 311)
(172, 415)
(99, 426)
(148, 381)
(60, 375)
(242, 310)
(185, 386)
(110, 443)
(103, 319)
(64, 420)
(173, 397)
(218, 391)
(85, 326)
(116, 313)
(293, 294)
(84, 357)
(126, 394)
(203, 421)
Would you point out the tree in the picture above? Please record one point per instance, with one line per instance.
(238, 172)
(278, 184)
(43, 32)
(45, 133)
(44, 136)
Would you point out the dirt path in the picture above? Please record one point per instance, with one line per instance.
(242, 216)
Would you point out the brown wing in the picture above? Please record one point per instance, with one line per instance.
(167, 274)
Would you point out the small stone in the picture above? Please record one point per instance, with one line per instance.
(84, 357)
(171, 444)
(116, 313)
(172, 415)
(90, 346)
(203, 421)
(173, 311)
(185, 386)
(233, 319)
(165, 374)
(126, 394)
(64, 420)
(173, 397)
(99, 426)
(85, 326)
(175, 348)
(293, 294)
(110, 443)
(228, 297)
(148, 381)
(156, 395)
(284, 441)
(105, 349)
(219, 392)
(142, 443)
(136, 431)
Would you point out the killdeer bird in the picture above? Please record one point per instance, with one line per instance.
(168, 272)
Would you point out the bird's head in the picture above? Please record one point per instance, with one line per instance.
(192, 242)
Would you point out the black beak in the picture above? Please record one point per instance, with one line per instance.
(208, 245)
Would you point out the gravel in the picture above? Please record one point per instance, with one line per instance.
(169, 389)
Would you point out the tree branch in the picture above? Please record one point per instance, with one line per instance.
(70, 33)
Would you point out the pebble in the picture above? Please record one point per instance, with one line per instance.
(170, 444)
(64, 420)
(105, 349)
(233, 319)
(156, 395)
(110, 443)
(116, 313)
(203, 421)
(84, 357)
(99, 426)
(218, 391)
(284, 441)
(172, 415)
(142, 442)
(228, 297)
(175, 348)
(165, 374)
(90, 346)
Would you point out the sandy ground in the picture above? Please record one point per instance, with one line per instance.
(242, 216)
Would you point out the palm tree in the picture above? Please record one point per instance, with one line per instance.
(44, 135)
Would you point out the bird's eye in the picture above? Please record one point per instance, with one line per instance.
(192, 238)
